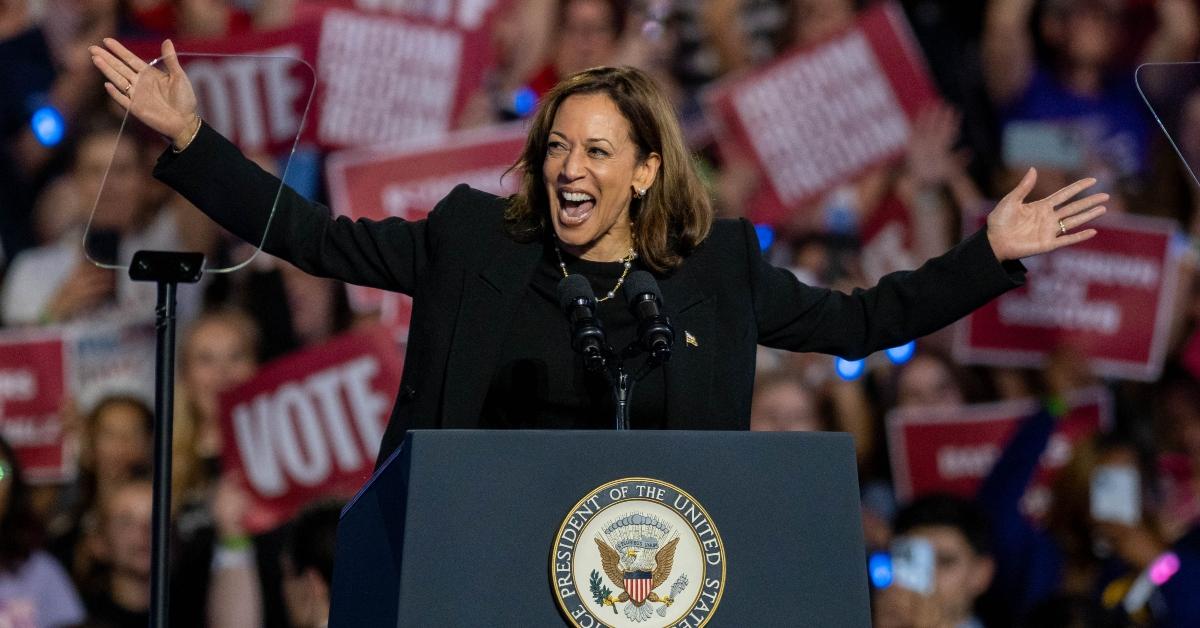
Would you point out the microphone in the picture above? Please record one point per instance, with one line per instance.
(655, 333)
(578, 302)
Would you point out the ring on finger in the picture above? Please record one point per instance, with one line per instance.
(1062, 228)
(129, 87)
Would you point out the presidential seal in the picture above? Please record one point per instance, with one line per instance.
(638, 552)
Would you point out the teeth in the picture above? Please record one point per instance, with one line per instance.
(576, 197)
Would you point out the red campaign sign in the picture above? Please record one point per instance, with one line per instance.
(253, 88)
(1110, 298)
(888, 240)
(467, 15)
(407, 182)
(953, 449)
(820, 116)
(309, 424)
(378, 78)
(32, 389)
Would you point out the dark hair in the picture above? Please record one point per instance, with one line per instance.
(312, 537)
(20, 531)
(146, 412)
(88, 478)
(673, 217)
(939, 509)
(92, 424)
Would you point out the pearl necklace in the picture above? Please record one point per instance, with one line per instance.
(627, 260)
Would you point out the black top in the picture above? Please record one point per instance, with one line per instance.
(469, 278)
(541, 383)
(104, 612)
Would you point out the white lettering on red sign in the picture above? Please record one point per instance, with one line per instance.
(386, 80)
(966, 462)
(32, 431)
(399, 199)
(17, 384)
(1058, 295)
(250, 98)
(820, 118)
(297, 433)
(467, 14)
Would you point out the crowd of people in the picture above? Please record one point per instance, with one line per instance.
(1045, 83)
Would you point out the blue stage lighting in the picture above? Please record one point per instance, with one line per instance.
(903, 353)
(48, 126)
(524, 100)
(880, 567)
(766, 235)
(849, 370)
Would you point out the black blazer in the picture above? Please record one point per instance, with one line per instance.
(467, 276)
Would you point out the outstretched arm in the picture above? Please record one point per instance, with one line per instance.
(215, 177)
(909, 304)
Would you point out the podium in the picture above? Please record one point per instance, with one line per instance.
(474, 527)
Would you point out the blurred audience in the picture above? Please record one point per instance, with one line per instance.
(782, 403)
(35, 590)
(962, 566)
(121, 596)
(1044, 83)
(307, 561)
(115, 449)
(218, 351)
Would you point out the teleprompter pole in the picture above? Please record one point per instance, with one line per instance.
(168, 270)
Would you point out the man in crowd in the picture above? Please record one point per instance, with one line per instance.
(962, 569)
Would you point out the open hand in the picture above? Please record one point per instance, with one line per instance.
(1018, 229)
(160, 96)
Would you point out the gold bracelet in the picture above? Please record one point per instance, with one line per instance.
(199, 123)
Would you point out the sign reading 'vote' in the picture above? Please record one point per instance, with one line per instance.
(309, 425)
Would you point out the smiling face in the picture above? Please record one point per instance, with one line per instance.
(590, 170)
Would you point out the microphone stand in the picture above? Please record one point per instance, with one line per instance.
(622, 381)
(167, 269)
(622, 385)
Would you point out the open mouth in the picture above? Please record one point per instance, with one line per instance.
(574, 207)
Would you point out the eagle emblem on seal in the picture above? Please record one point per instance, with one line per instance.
(637, 553)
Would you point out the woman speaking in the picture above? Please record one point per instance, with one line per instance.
(607, 187)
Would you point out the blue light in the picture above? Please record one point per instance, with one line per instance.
(879, 565)
(766, 235)
(903, 353)
(48, 126)
(849, 370)
(524, 100)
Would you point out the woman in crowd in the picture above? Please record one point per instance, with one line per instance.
(116, 447)
(218, 352)
(606, 186)
(34, 588)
